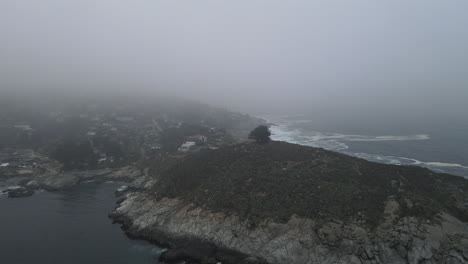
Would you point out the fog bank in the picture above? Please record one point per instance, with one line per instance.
(390, 57)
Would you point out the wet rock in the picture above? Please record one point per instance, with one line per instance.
(16, 192)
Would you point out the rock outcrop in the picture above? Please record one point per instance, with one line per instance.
(410, 240)
(284, 203)
(32, 171)
(18, 191)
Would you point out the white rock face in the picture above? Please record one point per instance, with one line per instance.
(300, 240)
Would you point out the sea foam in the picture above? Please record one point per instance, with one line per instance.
(282, 131)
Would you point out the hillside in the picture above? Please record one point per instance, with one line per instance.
(279, 179)
(285, 203)
(97, 133)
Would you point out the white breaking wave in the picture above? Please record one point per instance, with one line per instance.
(5, 188)
(389, 138)
(326, 136)
(332, 141)
(149, 249)
(281, 133)
(435, 165)
(336, 142)
(443, 164)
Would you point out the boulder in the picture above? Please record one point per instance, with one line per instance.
(59, 181)
(18, 192)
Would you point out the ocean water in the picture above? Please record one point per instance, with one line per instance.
(440, 145)
(70, 227)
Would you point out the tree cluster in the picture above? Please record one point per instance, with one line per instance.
(260, 134)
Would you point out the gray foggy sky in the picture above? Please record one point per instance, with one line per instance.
(273, 55)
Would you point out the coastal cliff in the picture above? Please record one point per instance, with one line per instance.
(284, 203)
(300, 240)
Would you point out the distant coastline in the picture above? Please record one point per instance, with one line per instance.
(285, 129)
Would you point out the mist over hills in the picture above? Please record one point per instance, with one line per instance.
(161, 96)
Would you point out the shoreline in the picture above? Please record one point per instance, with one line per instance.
(181, 248)
(201, 237)
(23, 186)
(338, 142)
(393, 224)
(195, 234)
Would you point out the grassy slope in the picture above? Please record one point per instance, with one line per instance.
(279, 179)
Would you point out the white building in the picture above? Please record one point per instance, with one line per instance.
(186, 146)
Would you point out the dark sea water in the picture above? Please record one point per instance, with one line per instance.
(68, 227)
(440, 144)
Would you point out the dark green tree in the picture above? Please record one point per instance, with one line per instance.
(261, 134)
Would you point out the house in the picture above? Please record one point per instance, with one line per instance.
(197, 139)
(186, 146)
(154, 146)
(102, 158)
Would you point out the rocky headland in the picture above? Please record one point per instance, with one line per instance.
(28, 171)
(285, 203)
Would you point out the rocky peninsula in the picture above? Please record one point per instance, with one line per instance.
(207, 198)
(27, 171)
(284, 203)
